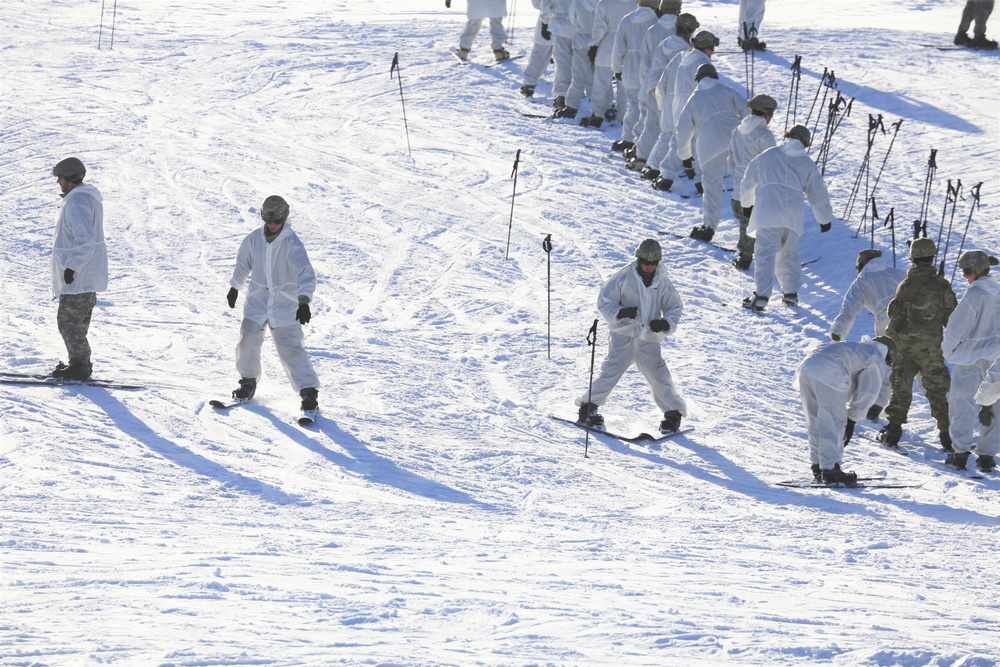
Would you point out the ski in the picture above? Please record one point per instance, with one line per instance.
(792, 484)
(804, 481)
(714, 245)
(220, 405)
(308, 417)
(496, 63)
(48, 380)
(642, 437)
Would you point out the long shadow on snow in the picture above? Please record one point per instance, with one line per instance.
(893, 103)
(134, 427)
(370, 466)
(737, 479)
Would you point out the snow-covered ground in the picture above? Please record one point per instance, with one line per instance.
(436, 515)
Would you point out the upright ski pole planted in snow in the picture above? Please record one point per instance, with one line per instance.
(399, 75)
(974, 191)
(547, 247)
(511, 20)
(890, 222)
(920, 226)
(951, 197)
(513, 174)
(793, 91)
(100, 33)
(592, 342)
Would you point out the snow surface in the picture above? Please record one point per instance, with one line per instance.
(435, 515)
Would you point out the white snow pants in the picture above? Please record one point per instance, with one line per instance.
(537, 62)
(288, 343)
(963, 411)
(603, 92)
(649, 131)
(631, 115)
(712, 172)
(497, 33)
(562, 53)
(752, 14)
(776, 253)
(583, 77)
(826, 419)
(623, 351)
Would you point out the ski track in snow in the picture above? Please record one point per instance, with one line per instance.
(435, 515)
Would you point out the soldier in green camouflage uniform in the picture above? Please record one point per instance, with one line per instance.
(917, 316)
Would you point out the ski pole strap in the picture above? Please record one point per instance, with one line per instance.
(517, 159)
(547, 243)
(592, 334)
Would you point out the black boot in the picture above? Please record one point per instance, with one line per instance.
(565, 112)
(559, 102)
(985, 462)
(743, 262)
(945, 439)
(817, 473)
(671, 421)
(890, 434)
(527, 91)
(309, 396)
(874, 412)
(957, 459)
(246, 390)
(621, 145)
(649, 173)
(755, 303)
(837, 476)
(592, 121)
(588, 415)
(703, 233)
(662, 184)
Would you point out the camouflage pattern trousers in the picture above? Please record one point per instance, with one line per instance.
(73, 319)
(921, 357)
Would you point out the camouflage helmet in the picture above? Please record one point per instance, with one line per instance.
(670, 6)
(686, 23)
(649, 251)
(70, 169)
(865, 256)
(274, 209)
(704, 40)
(922, 249)
(764, 104)
(706, 70)
(976, 260)
(800, 132)
(890, 355)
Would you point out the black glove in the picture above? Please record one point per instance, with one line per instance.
(986, 415)
(825, 227)
(592, 54)
(630, 312)
(68, 276)
(849, 431)
(447, 3)
(835, 337)
(618, 76)
(302, 314)
(546, 35)
(688, 167)
(231, 297)
(659, 326)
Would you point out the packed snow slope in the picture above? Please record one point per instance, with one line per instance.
(436, 515)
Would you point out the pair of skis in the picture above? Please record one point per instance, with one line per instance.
(642, 437)
(8, 377)
(876, 482)
(308, 417)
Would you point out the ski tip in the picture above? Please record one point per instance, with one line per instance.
(217, 404)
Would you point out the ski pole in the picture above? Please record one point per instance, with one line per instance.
(510, 227)
(100, 31)
(974, 191)
(114, 15)
(874, 218)
(952, 197)
(512, 17)
(925, 202)
(592, 342)
(547, 247)
(399, 75)
(793, 90)
(878, 176)
(890, 222)
(873, 127)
